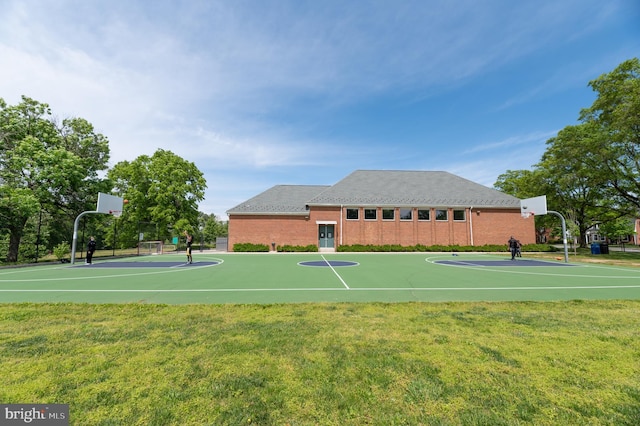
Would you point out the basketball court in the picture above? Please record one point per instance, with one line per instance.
(316, 277)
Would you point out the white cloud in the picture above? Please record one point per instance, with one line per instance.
(538, 138)
(218, 82)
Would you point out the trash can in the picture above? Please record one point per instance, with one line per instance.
(595, 248)
(604, 248)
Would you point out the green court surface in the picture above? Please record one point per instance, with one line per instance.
(317, 277)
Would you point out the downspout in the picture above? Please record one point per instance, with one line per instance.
(341, 228)
(471, 224)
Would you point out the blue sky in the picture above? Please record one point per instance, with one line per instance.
(258, 93)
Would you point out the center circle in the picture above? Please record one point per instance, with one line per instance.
(328, 263)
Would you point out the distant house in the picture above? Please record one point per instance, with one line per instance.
(594, 235)
(380, 207)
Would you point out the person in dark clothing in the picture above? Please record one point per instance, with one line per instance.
(513, 247)
(189, 242)
(91, 248)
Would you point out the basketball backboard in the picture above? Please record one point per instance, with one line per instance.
(109, 203)
(534, 206)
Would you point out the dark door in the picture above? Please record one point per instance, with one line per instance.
(326, 236)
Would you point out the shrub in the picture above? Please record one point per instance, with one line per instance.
(539, 247)
(62, 251)
(289, 248)
(250, 247)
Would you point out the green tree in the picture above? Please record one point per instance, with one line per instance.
(521, 183)
(42, 167)
(580, 193)
(211, 227)
(618, 229)
(616, 112)
(591, 172)
(161, 189)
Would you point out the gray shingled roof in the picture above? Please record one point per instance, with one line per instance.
(281, 199)
(393, 188)
(411, 188)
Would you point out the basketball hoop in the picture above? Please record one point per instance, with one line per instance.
(115, 213)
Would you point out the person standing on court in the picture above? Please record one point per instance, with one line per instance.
(91, 248)
(513, 247)
(189, 242)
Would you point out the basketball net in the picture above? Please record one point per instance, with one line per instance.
(526, 215)
(115, 213)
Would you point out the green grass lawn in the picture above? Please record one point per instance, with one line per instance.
(475, 363)
(617, 256)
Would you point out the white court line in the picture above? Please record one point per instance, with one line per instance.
(159, 271)
(335, 272)
(511, 270)
(227, 290)
(27, 269)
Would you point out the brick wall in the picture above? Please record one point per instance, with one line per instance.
(489, 226)
(293, 230)
(496, 226)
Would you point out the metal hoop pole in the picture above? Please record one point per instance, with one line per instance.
(75, 235)
(564, 235)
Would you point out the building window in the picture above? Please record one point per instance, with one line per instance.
(424, 214)
(458, 215)
(370, 214)
(406, 214)
(352, 214)
(388, 214)
(442, 215)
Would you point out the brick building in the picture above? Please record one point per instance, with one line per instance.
(381, 207)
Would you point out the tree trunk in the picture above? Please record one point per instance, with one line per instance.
(15, 235)
(583, 238)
